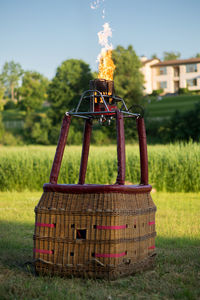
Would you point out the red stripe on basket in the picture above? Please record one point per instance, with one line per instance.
(110, 255)
(45, 225)
(43, 251)
(152, 247)
(111, 227)
(152, 223)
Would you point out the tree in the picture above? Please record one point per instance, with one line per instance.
(37, 128)
(2, 88)
(186, 125)
(71, 79)
(171, 55)
(154, 56)
(197, 55)
(33, 91)
(128, 77)
(182, 126)
(10, 75)
(2, 129)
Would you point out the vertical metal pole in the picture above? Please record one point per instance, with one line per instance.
(60, 149)
(143, 151)
(120, 148)
(85, 151)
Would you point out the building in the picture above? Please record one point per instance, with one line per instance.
(171, 75)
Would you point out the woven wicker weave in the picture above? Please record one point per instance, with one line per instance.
(101, 235)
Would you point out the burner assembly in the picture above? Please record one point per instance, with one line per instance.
(102, 101)
(92, 230)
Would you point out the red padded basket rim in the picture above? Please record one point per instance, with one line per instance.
(96, 188)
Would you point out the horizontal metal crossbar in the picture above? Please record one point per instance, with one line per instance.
(103, 113)
(107, 113)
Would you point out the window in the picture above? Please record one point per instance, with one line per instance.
(191, 68)
(163, 71)
(163, 85)
(176, 71)
(192, 82)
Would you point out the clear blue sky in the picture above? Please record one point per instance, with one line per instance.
(40, 34)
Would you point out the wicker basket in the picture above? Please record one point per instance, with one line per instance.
(96, 231)
(104, 234)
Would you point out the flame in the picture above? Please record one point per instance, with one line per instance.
(106, 65)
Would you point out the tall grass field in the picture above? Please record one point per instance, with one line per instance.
(176, 274)
(172, 168)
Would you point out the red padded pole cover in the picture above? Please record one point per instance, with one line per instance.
(120, 148)
(85, 151)
(60, 149)
(143, 151)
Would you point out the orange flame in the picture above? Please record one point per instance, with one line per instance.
(106, 66)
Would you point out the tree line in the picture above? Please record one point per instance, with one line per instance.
(172, 55)
(43, 102)
(62, 93)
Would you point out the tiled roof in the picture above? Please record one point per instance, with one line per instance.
(177, 62)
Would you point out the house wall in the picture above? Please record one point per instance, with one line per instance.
(153, 78)
(192, 75)
(168, 78)
(147, 72)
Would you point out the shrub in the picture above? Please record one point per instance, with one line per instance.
(99, 137)
(36, 129)
(197, 92)
(8, 139)
(10, 105)
(157, 92)
(185, 126)
(183, 91)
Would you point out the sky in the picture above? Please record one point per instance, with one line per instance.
(41, 34)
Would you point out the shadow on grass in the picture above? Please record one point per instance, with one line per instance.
(175, 276)
(16, 246)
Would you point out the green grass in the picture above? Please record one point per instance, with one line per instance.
(168, 105)
(173, 168)
(176, 275)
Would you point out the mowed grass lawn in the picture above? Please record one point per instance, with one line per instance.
(176, 275)
(168, 105)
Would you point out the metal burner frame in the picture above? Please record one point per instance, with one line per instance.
(90, 95)
(103, 107)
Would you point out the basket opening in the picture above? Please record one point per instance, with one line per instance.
(81, 234)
